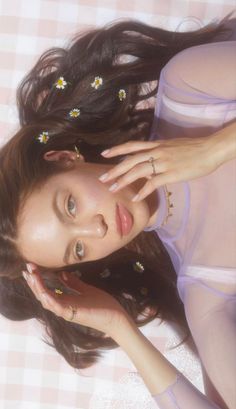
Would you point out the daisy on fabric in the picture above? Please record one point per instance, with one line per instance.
(74, 113)
(97, 82)
(61, 83)
(43, 137)
(122, 94)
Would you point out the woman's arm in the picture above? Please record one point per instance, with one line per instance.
(223, 144)
(168, 386)
(157, 372)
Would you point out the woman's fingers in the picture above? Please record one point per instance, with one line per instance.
(141, 170)
(36, 284)
(152, 184)
(59, 305)
(129, 147)
(133, 163)
(127, 164)
(47, 298)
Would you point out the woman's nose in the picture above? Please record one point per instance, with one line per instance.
(94, 227)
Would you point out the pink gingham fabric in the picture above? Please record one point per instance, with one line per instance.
(32, 374)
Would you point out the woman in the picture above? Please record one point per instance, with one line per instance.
(56, 234)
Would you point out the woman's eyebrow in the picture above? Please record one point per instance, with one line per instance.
(62, 219)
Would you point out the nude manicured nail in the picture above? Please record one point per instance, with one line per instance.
(103, 177)
(113, 187)
(28, 277)
(105, 152)
(25, 275)
(29, 268)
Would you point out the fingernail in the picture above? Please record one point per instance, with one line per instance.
(135, 198)
(25, 275)
(103, 177)
(31, 267)
(104, 153)
(113, 187)
(28, 277)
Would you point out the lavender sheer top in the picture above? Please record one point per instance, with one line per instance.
(197, 96)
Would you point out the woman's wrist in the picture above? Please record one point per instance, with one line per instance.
(157, 372)
(222, 144)
(120, 328)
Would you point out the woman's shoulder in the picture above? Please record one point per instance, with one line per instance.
(208, 69)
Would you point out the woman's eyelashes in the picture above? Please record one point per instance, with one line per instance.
(79, 248)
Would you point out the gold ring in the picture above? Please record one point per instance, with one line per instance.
(151, 160)
(73, 311)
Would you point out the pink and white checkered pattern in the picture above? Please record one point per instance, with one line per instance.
(33, 375)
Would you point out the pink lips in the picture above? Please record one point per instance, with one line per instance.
(124, 220)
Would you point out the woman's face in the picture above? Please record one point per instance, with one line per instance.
(75, 214)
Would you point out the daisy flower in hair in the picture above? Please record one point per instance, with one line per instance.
(43, 137)
(61, 83)
(74, 113)
(57, 291)
(122, 94)
(138, 267)
(97, 82)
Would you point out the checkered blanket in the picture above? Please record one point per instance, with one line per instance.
(32, 374)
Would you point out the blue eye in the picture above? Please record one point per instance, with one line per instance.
(69, 207)
(79, 249)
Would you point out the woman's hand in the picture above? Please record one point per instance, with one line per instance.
(175, 160)
(95, 308)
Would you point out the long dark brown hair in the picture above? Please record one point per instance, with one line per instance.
(104, 121)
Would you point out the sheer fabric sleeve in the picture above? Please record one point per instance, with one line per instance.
(212, 320)
(196, 97)
(196, 92)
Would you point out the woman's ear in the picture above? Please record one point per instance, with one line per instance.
(66, 156)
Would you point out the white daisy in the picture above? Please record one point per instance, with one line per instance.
(43, 137)
(138, 267)
(61, 83)
(122, 94)
(97, 82)
(74, 113)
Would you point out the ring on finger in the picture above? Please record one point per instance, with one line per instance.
(151, 160)
(73, 312)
